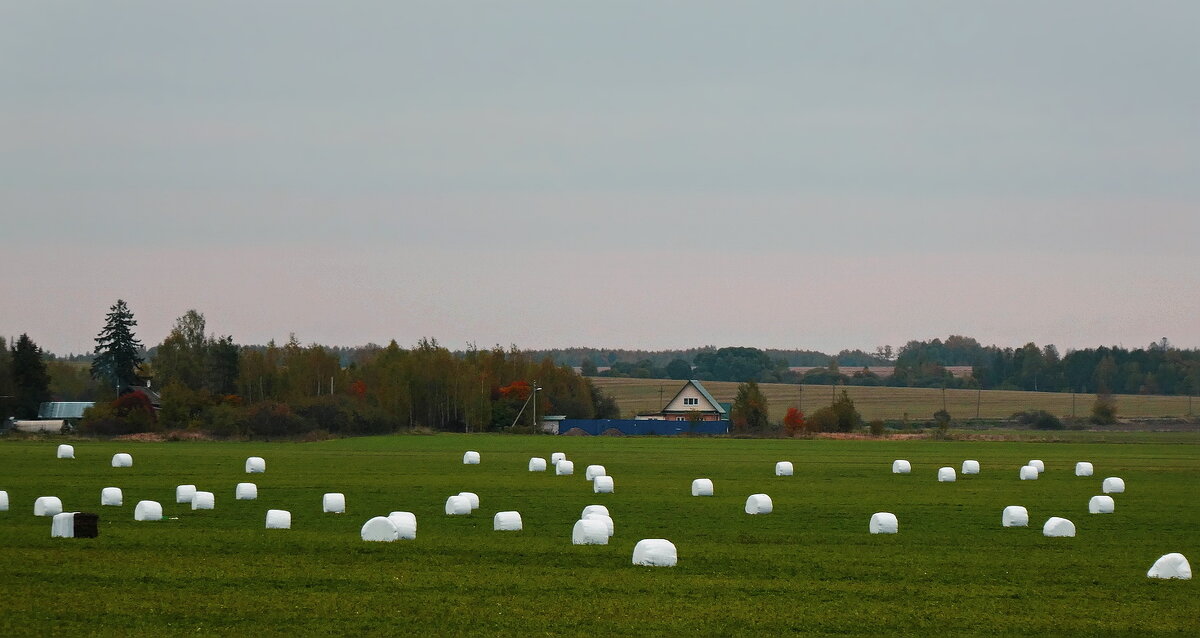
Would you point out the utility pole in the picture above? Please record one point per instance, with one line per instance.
(800, 395)
(978, 399)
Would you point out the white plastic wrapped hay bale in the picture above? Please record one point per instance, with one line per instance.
(556, 457)
(564, 468)
(1015, 516)
(3, 501)
(1101, 505)
(946, 475)
(506, 522)
(1172, 565)
(147, 511)
(884, 523)
(759, 504)
(970, 467)
(406, 524)
(589, 531)
(702, 487)
(655, 552)
(471, 458)
(900, 466)
(379, 529)
(594, 509)
(1029, 473)
(1112, 485)
(537, 464)
(185, 493)
(121, 459)
(593, 471)
(458, 505)
(472, 498)
(333, 503)
(1059, 527)
(111, 496)
(1041, 467)
(245, 492)
(1083, 468)
(204, 501)
(604, 518)
(63, 525)
(256, 465)
(784, 468)
(47, 506)
(66, 451)
(279, 519)
(603, 485)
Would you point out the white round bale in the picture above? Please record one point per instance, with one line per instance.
(279, 519)
(605, 518)
(759, 504)
(1083, 468)
(1101, 505)
(406, 524)
(458, 505)
(471, 458)
(472, 498)
(900, 466)
(970, 467)
(593, 471)
(556, 457)
(63, 525)
(784, 468)
(147, 511)
(1057, 526)
(66, 451)
(506, 522)
(256, 465)
(1015, 516)
(946, 475)
(333, 503)
(589, 531)
(204, 501)
(379, 529)
(594, 509)
(1029, 473)
(1113, 485)
(121, 459)
(185, 493)
(245, 492)
(702, 487)
(884, 523)
(47, 506)
(603, 485)
(3, 501)
(111, 496)
(655, 552)
(1041, 467)
(1172, 565)
(537, 464)
(564, 468)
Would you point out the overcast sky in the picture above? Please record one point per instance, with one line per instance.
(645, 174)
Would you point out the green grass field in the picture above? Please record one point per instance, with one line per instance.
(918, 404)
(808, 568)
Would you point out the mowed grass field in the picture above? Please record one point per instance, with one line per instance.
(810, 567)
(917, 404)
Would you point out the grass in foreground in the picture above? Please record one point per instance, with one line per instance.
(810, 567)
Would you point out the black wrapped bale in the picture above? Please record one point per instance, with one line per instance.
(87, 525)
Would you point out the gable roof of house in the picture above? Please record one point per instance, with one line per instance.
(717, 407)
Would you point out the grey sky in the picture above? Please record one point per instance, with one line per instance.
(644, 174)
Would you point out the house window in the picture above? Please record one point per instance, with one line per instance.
(679, 418)
(691, 401)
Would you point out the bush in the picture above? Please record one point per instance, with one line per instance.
(1039, 419)
(1104, 410)
(823, 420)
(876, 427)
(275, 419)
(942, 420)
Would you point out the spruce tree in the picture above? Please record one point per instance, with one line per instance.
(118, 352)
(31, 382)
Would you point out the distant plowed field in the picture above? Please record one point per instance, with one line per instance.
(648, 395)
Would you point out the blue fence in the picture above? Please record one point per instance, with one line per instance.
(633, 427)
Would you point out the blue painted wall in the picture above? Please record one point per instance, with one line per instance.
(642, 427)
